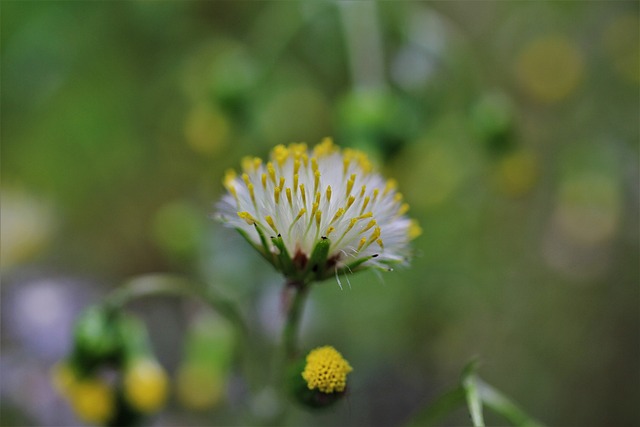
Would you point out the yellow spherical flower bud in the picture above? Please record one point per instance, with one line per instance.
(145, 385)
(92, 400)
(326, 370)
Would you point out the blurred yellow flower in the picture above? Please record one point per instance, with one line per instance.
(91, 398)
(199, 387)
(326, 370)
(550, 68)
(145, 385)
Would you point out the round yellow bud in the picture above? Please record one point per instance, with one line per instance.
(92, 400)
(145, 385)
(326, 370)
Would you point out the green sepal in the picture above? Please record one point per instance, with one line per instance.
(318, 260)
(299, 390)
(134, 338)
(96, 339)
(283, 256)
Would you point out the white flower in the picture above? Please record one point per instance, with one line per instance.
(319, 213)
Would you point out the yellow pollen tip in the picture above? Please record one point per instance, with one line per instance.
(288, 191)
(326, 370)
(264, 181)
(302, 212)
(369, 225)
(404, 208)
(229, 177)
(246, 179)
(330, 230)
(276, 194)
(281, 184)
(338, 214)
(318, 218)
(271, 223)
(392, 184)
(361, 244)
(376, 233)
(350, 201)
(367, 215)
(328, 192)
(303, 193)
(272, 172)
(352, 180)
(414, 230)
(249, 219)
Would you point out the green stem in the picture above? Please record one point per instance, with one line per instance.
(292, 322)
(171, 285)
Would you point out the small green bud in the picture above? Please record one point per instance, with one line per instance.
(96, 338)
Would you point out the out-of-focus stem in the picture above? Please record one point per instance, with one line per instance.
(364, 43)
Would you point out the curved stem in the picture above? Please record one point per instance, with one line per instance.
(171, 285)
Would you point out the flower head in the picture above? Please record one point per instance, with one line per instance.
(326, 370)
(316, 213)
(145, 385)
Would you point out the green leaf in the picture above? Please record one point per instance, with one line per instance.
(499, 403)
(470, 385)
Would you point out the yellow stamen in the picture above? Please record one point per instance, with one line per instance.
(364, 204)
(404, 208)
(392, 184)
(369, 226)
(352, 180)
(338, 214)
(303, 193)
(350, 201)
(247, 217)
(318, 218)
(288, 191)
(414, 230)
(374, 236)
(328, 193)
(295, 182)
(366, 215)
(361, 244)
(276, 194)
(281, 184)
(380, 243)
(264, 181)
(271, 223)
(302, 212)
(330, 230)
(272, 172)
(316, 180)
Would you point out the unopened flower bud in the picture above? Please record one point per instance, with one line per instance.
(145, 385)
(321, 379)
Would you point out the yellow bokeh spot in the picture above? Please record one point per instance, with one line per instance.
(414, 230)
(92, 400)
(145, 385)
(206, 129)
(550, 68)
(199, 387)
(326, 370)
(516, 173)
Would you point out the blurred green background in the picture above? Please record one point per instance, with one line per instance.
(512, 128)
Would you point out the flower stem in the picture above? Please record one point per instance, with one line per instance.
(171, 285)
(292, 322)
